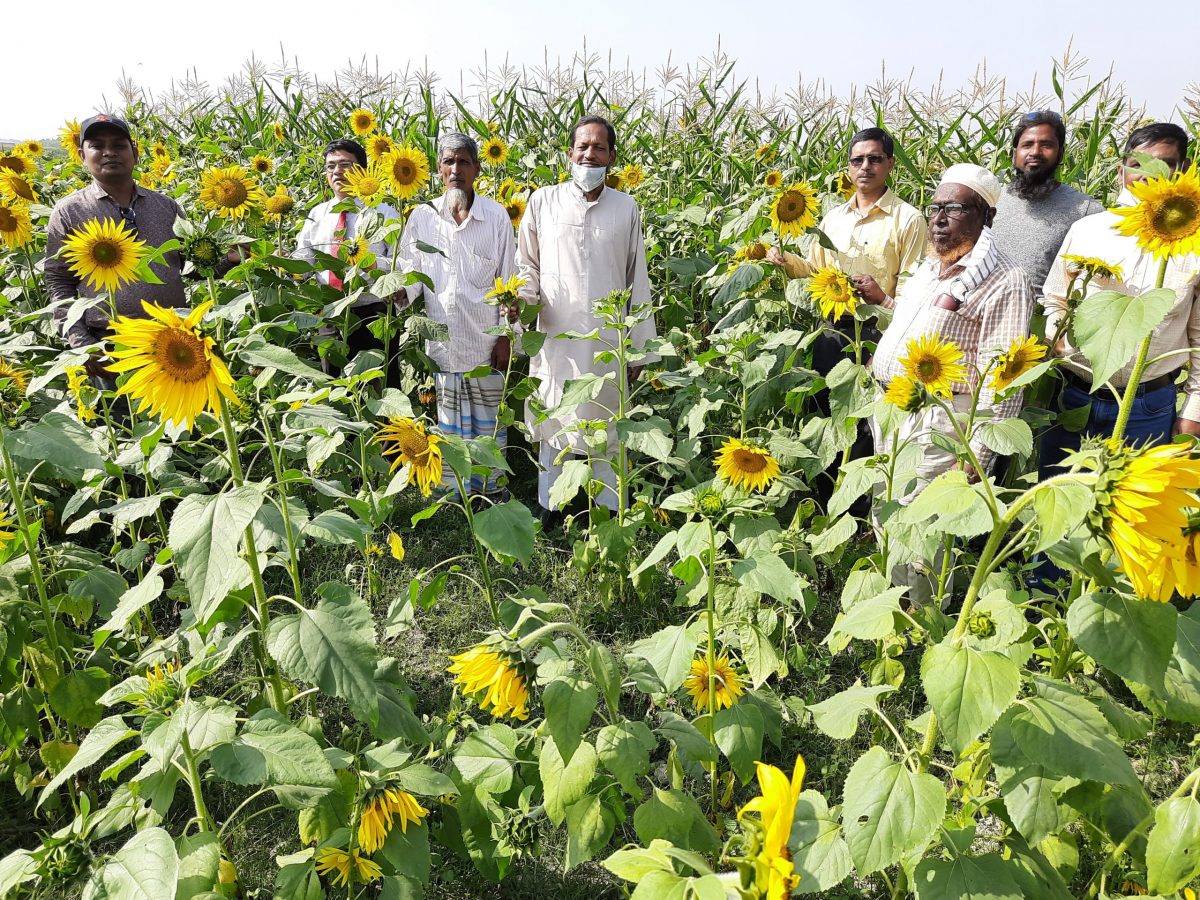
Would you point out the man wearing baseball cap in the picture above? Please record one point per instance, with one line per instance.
(110, 154)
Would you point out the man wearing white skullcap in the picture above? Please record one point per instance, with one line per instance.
(971, 293)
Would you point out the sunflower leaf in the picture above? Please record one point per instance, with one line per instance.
(1109, 326)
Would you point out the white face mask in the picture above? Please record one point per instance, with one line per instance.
(588, 178)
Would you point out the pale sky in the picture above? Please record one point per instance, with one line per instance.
(69, 54)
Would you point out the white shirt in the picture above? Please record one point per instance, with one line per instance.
(571, 252)
(477, 252)
(318, 231)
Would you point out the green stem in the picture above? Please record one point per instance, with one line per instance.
(1139, 366)
(289, 532)
(193, 777)
(480, 553)
(711, 656)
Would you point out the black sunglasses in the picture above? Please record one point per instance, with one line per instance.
(129, 217)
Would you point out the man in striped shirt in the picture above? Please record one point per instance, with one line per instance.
(463, 242)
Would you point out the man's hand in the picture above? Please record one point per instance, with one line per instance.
(868, 288)
(95, 366)
(238, 253)
(501, 353)
(510, 311)
(775, 256)
(1186, 426)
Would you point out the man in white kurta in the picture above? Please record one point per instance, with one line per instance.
(578, 242)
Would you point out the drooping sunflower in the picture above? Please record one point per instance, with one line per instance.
(365, 184)
(13, 381)
(494, 151)
(751, 252)
(343, 868)
(794, 210)
(406, 169)
(277, 131)
(773, 179)
(614, 180)
(69, 137)
(32, 147)
(515, 207)
(15, 187)
(1185, 567)
(727, 684)
(17, 161)
(362, 121)
(775, 807)
(935, 363)
(633, 175)
(105, 253)
(278, 204)
(1093, 266)
(1166, 221)
(1023, 355)
(16, 227)
(746, 465)
(7, 535)
(765, 153)
(904, 393)
(832, 290)
(843, 185)
(407, 440)
(379, 146)
(176, 374)
(230, 192)
(493, 680)
(77, 382)
(262, 164)
(506, 189)
(382, 811)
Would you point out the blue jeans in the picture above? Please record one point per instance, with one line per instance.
(1150, 422)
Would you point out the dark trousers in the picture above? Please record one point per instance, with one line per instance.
(361, 339)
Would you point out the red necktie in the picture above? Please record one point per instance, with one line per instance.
(339, 234)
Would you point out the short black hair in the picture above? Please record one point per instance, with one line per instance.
(596, 120)
(354, 148)
(1041, 117)
(874, 134)
(1157, 133)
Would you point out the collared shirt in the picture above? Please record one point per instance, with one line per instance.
(318, 234)
(156, 215)
(887, 242)
(476, 253)
(1031, 231)
(571, 252)
(1097, 236)
(995, 303)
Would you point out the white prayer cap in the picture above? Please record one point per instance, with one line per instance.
(977, 178)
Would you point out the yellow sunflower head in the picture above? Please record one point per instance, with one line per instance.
(406, 170)
(491, 674)
(7, 534)
(1093, 267)
(934, 363)
(16, 226)
(773, 179)
(378, 146)
(1166, 220)
(1023, 355)
(14, 381)
(163, 168)
(78, 385)
(362, 121)
(632, 176)
(159, 149)
(262, 164)
(843, 185)
(354, 249)
(407, 440)
(515, 207)
(32, 147)
(751, 252)
(774, 873)
(494, 151)
(832, 290)
(17, 161)
(794, 210)
(1185, 567)
(344, 869)
(69, 137)
(104, 253)
(278, 204)
(904, 393)
(506, 289)
(746, 465)
(727, 684)
(277, 131)
(765, 153)
(365, 184)
(230, 192)
(382, 812)
(176, 374)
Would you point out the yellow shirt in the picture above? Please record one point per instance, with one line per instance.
(886, 242)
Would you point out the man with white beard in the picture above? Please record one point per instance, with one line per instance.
(475, 238)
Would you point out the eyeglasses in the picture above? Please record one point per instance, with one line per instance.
(857, 162)
(129, 217)
(952, 210)
(340, 166)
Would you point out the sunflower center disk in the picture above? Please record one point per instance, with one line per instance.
(8, 222)
(1178, 216)
(105, 254)
(928, 369)
(403, 172)
(747, 461)
(231, 193)
(180, 355)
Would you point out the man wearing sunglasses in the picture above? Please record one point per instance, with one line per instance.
(110, 154)
(1035, 210)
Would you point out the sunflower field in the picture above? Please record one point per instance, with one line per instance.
(250, 648)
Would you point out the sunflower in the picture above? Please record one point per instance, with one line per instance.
(494, 151)
(1167, 220)
(904, 393)
(406, 169)
(793, 211)
(14, 187)
(17, 161)
(230, 192)
(13, 381)
(70, 138)
(278, 204)
(746, 465)
(163, 168)
(773, 179)
(104, 253)
(727, 684)
(16, 228)
(1093, 266)
(379, 146)
(262, 164)
(493, 679)
(515, 207)
(176, 375)
(147, 180)
(362, 121)
(159, 150)
(381, 811)
(77, 382)
(774, 873)
(203, 252)
(354, 250)
(1185, 568)
(506, 189)
(506, 290)
(277, 131)
(843, 185)
(935, 363)
(365, 184)
(7, 535)
(1145, 496)
(751, 252)
(408, 441)
(1023, 355)
(832, 290)
(614, 180)
(493, 127)
(765, 153)
(344, 868)
(633, 175)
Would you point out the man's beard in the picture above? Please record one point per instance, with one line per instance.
(1036, 185)
(457, 200)
(953, 252)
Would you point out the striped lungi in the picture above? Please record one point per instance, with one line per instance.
(468, 408)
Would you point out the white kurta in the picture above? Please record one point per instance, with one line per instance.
(572, 252)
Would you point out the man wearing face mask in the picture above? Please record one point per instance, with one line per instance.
(578, 242)
(1035, 210)
(1154, 418)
